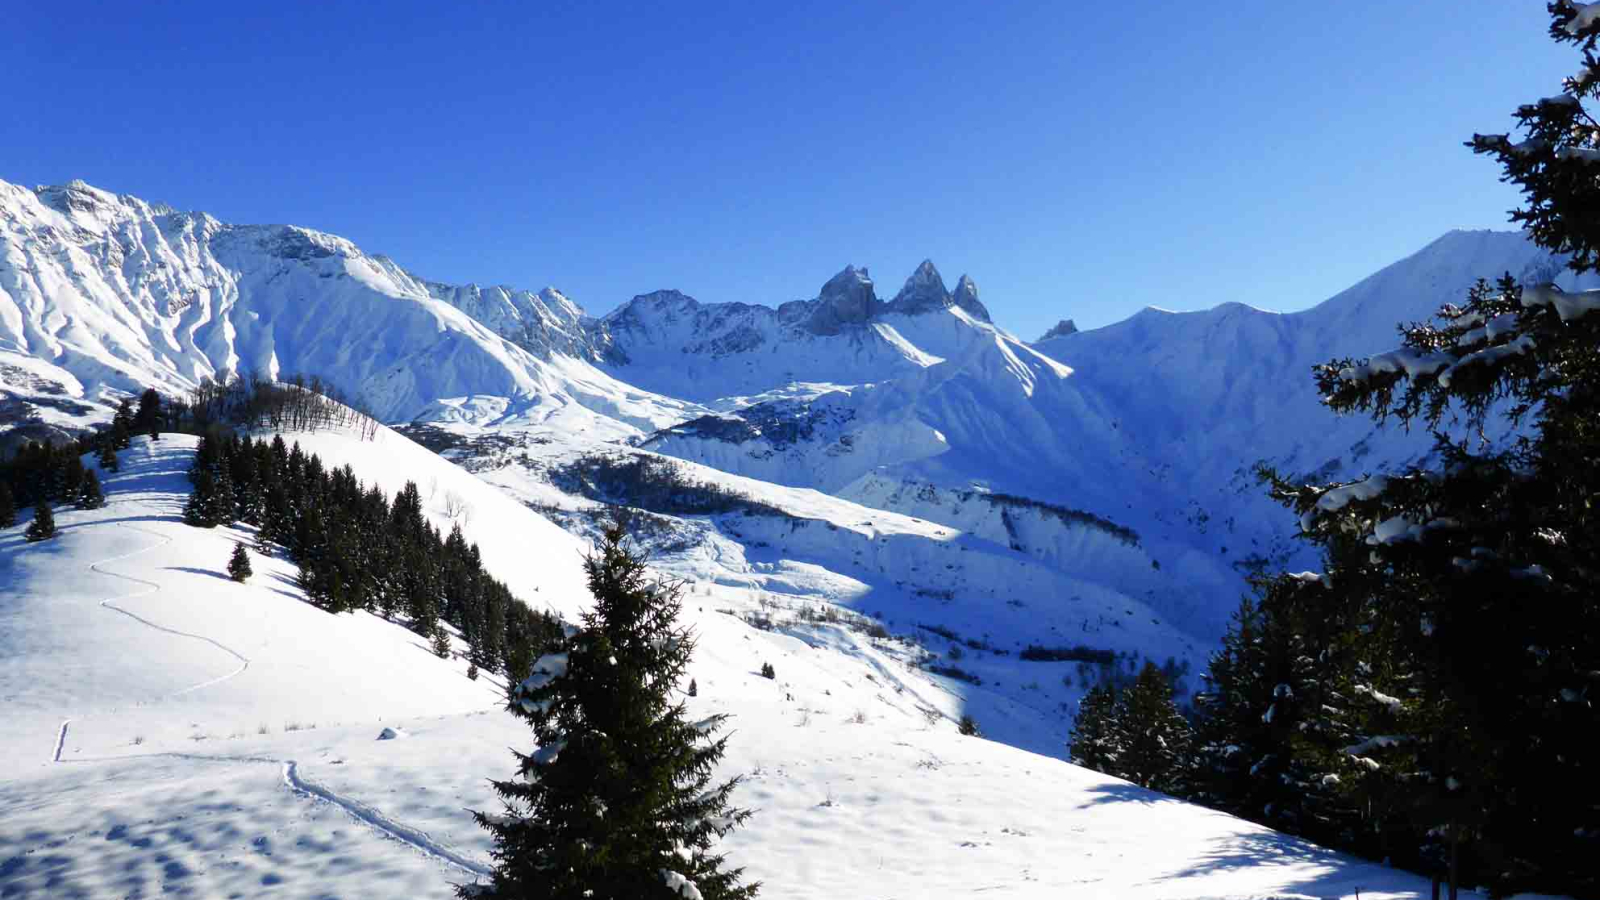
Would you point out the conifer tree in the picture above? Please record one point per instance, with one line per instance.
(617, 801)
(148, 418)
(43, 526)
(239, 563)
(90, 495)
(8, 506)
(1093, 743)
(1479, 569)
(441, 641)
(108, 455)
(122, 425)
(1152, 736)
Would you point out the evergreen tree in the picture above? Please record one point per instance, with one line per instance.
(8, 506)
(43, 526)
(1468, 622)
(617, 801)
(441, 641)
(89, 494)
(108, 455)
(1152, 737)
(239, 563)
(197, 510)
(148, 418)
(1093, 742)
(122, 425)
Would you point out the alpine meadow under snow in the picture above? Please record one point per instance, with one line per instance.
(322, 579)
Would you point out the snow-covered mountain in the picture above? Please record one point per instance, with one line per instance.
(104, 294)
(888, 498)
(918, 405)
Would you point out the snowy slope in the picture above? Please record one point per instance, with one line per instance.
(173, 732)
(104, 293)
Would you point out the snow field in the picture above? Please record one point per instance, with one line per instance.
(183, 772)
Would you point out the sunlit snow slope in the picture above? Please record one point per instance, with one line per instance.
(171, 732)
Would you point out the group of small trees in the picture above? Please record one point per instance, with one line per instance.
(1135, 732)
(42, 475)
(356, 549)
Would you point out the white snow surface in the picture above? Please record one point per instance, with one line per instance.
(169, 731)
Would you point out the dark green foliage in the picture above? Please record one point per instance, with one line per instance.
(621, 780)
(1093, 743)
(122, 426)
(148, 418)
(239, 563)
(767, 671)
(1430, 701)
(472, 670)
(355, 550)
(108, 455)
(1135, 733)
(968, 726)
(90, 495)
(8, 506)
(1067, 653)
(441, 641)
(43, 526)
(1153, 737)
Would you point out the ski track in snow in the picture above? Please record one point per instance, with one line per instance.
(374, 819)
(300, 787)
(151, 588)
(310, 790)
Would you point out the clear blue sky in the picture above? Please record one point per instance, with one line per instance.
(1077, 159)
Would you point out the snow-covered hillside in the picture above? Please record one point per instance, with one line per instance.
(103, 293)
(170, 731)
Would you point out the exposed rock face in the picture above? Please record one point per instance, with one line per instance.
(924, 292)
(1060, 329)
(966, 297)
(847, 299)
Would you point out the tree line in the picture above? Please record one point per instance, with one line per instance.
(355, 548)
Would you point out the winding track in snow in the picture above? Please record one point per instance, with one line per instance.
(150, 588)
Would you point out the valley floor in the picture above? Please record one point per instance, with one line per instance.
(168, 732)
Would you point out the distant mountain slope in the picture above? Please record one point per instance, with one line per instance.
(105, 293)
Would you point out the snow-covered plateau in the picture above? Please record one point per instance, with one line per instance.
(866, 493)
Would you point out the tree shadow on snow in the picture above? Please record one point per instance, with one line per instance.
(194, 571)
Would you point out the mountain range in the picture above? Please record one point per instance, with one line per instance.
(1143, 433)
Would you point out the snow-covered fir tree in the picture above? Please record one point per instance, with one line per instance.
(1477, 634)
(90, 496)
(617, 800)
(43, 526)
(1093, 743)
(239, 563)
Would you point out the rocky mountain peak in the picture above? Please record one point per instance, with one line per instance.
(1060, 329)
(924, 291)
(847, 299)
(966, 297)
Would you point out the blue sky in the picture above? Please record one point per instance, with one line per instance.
(1078, 160)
